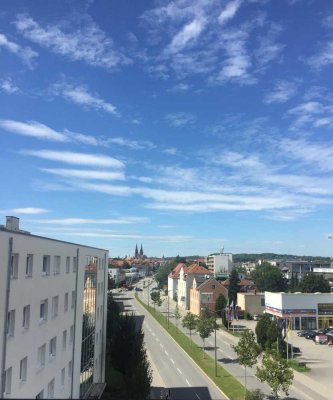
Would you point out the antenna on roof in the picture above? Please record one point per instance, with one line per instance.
(222, 250)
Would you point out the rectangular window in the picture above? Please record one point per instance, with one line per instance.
(66, 302)
(68, 262)
(73, 299)
(262, 302)
(71, 334)
(55, 306)
(56, 266)
(8, 381)
(74, 264)
(53, 347)
(26, 317)
(46, 265)
(64, 340)
(14, 266)
(62, 378)
(41, 356)
(43, 310)
(23, 369)
(28, 265)
(10, 323)
(40, 395)
(70, 366)
(50, 390)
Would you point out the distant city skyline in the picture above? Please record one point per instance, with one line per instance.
(185, 126)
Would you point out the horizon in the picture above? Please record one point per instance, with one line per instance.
(187, 126)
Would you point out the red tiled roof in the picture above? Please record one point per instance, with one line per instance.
(196, 269)
(243, 282)
(174, 274)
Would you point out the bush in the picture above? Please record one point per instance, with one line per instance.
(255, 394)
(248, 316)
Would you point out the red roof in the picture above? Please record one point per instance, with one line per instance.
(243, 282)
(174, 274)
(196, 269)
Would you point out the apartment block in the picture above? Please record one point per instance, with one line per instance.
(53, 297)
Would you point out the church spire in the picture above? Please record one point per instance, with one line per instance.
(136, 254)
(141, 251)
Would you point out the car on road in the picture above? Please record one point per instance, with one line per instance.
(137, 289)
(304, 333)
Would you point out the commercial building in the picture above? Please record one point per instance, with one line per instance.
(304, 310)
(53, 298)
(252, 303)
(220, 264)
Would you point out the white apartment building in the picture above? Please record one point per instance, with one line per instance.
(53, 309)
(219, 263)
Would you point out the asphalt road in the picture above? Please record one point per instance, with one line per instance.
(180, 374)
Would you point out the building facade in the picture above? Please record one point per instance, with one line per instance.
(53, 309)
(304, 310)
(204, 293)
(220, 264)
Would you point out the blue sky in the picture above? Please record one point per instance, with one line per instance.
(186, 126)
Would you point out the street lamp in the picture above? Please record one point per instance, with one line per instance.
(215, 355)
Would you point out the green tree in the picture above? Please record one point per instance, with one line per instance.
(220, 308)
(269, 278)
(161, 276)
(190, 322)
(294, 284)
(233, 287)
(156, 298)
(247, 351)
(205, 326)
(177, 315)
(276, 372)
(312, 283)
(269, 335)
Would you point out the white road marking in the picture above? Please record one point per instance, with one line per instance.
(172, 360)
(166, 353)
(188, 383)
(162, 345)
(179, 371)
(197, 396)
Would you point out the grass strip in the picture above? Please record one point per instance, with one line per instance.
(225, 381)
(297, 366)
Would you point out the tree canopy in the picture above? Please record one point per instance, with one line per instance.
(161, 276)
(269, 335)
(190, 322)
(312, 283)
(205, 326)
(233, 287)
(269, 278)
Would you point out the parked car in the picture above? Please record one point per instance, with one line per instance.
(323, 331)
(296, 350)
(311, 335)
(304, 333)
(137, 289)
(256, 317)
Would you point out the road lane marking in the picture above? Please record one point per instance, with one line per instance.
(172, 360)
(179, 371)
(166, 353)
(197, 396)
(162, 345)
(188, 383)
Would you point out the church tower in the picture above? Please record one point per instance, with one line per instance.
(136, 254)
(141, 251)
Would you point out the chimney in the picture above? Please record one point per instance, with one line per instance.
(13, 223)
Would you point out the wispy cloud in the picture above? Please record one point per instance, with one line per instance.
(313, 113)
(131, 144)
(269, 48)
(282, 92)
(25, 210)
(229, 11)
(86, 43)
(68, 157)
(180, 119)
(323, 58)
(34, 129)
(86, 174)
(8, 86)
(93, 221)
(25, 53)
(80, 95)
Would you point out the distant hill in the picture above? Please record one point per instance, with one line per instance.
(244, 257)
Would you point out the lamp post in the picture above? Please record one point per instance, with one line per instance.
(215, 355)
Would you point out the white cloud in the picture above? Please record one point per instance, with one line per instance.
(323, 58)
(131, 144)
(25, 53)
(313, 113)
(282, 92)
(25, 210)
(328, 21)
(189, 33)
(34, 129)
(8, 86)
(269, 49)
(85, 221)
(68, 157)
(86, 174)
(86, 43)
(80, 95)
(229, 11)
(180, 119)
